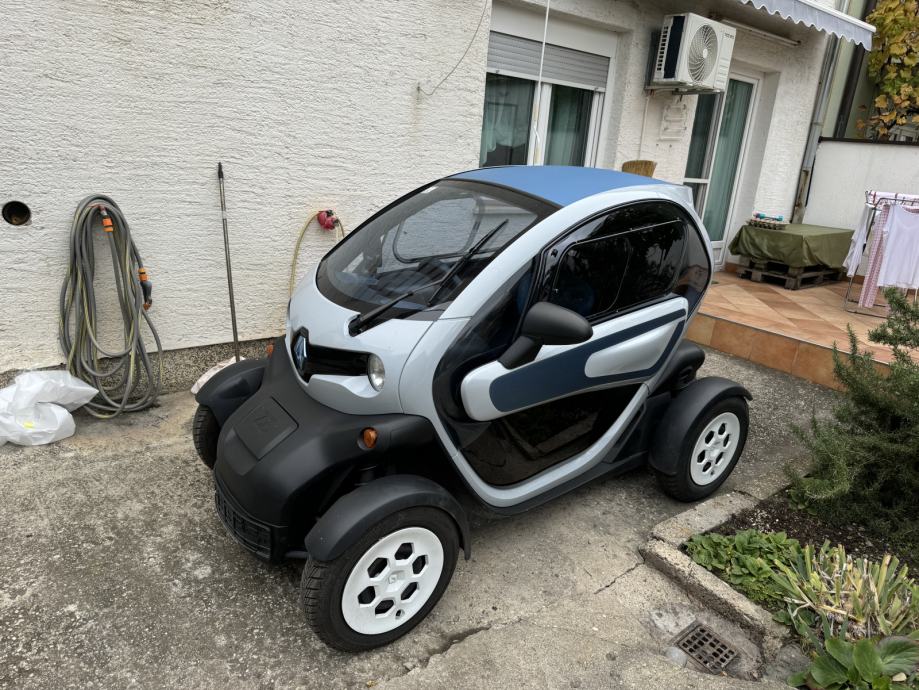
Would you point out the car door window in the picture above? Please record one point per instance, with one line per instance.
(628, 257)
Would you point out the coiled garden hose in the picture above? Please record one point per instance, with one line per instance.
(126, 379)
(340, 233)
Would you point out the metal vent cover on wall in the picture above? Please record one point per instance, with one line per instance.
(517, 55)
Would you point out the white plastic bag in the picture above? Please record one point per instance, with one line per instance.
(35, 408)
(42, 423)
(58, 387)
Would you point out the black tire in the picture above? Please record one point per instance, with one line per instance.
(681, 485)
(204, 432)
(323, 582)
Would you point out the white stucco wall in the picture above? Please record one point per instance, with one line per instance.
(844, 171)
(309, 105)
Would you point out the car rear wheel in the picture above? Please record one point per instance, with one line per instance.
(204, 432)
(383, 585)
(710, 451)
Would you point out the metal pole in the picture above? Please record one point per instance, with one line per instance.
(226, 251)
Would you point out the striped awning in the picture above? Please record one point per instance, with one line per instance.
(820, 17)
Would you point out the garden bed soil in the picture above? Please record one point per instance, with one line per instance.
(779, 514)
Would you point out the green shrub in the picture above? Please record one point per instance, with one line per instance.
(891, 662)
(854, 597)
(745, 560)
(866, 458)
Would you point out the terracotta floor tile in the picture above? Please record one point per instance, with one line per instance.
(735, 339)
(774, 351)
(780, 319)
(700, 329)
(815, 364)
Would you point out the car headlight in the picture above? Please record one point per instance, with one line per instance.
(376, 372)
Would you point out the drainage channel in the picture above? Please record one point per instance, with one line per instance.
(704, 647)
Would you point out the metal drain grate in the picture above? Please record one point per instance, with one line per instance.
(705, 647)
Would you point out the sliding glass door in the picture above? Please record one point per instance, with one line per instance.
(716, 150)
(565, 133)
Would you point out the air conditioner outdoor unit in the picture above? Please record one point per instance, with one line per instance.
(693, 54)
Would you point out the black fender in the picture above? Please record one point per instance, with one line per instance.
(356, 512)
(231, 387)
(681, 369)
(683, 411)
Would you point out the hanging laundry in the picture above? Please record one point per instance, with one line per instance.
(857, 246)
(875, 258)
(900, 265)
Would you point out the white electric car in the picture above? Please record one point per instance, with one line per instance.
(507, 334)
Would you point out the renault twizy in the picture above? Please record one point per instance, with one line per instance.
(507, 334)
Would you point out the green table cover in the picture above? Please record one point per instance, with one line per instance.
(797, 245)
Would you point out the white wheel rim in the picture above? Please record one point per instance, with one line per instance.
(715, 448)
(388, 573)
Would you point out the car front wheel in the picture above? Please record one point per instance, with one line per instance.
(383, 585)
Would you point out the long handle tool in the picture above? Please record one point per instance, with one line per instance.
(226, 251)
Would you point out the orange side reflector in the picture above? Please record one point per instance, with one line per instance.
(270, 349)
(369, 437)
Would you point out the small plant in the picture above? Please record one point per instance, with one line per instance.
(867, 664)
(745, 560)
(866, 458)
(852, 597)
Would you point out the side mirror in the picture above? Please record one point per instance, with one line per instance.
(545, 324)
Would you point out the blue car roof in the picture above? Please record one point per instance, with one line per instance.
(560, 184)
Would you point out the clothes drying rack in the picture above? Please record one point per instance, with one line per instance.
(875, 200)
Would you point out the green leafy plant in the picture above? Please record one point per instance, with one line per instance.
(852, 597)
(892, 65)
(866, 457)
(891, 662)
(745, 560)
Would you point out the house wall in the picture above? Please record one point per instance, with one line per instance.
(309, 105)
(837, 198)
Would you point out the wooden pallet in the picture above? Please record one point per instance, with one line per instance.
(792, 277)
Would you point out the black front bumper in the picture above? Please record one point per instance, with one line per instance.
(265, 541)
(281, 454)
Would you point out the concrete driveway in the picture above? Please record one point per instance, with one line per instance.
(115, 572)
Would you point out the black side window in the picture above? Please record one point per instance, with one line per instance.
(590, 275)
(656, 255)
(633, 255)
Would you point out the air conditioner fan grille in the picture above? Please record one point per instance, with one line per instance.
(703, 53)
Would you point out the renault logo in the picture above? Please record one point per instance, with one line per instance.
(300, 353)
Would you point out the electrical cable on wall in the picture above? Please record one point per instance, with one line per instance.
(127, 379)
(542, 57)
(328, 220)
(463, 56)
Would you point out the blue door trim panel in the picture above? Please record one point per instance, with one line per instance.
(564, 374)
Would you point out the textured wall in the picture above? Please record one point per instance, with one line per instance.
(309, 104)
(837, 200)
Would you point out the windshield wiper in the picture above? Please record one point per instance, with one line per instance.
(465, 258)
(357, 324)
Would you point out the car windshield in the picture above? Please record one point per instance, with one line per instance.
(419, 239)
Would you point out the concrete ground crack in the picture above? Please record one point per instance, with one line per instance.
(620, 575)
(755, 499)
(450, 642)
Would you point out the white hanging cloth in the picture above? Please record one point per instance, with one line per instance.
(859, 237)
(900, 267)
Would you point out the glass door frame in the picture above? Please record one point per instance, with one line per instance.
(719, 246)
(542, 103)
